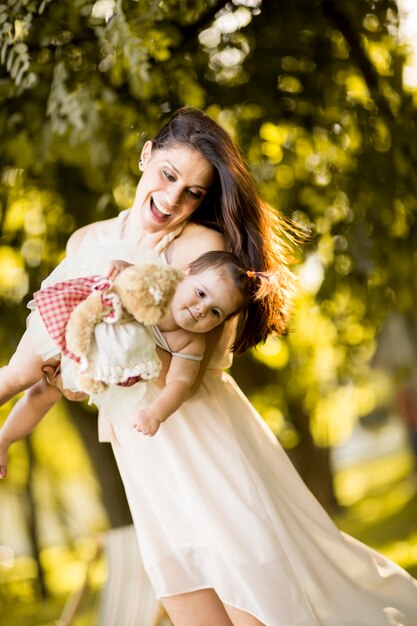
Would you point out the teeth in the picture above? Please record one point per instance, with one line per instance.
(160, 207)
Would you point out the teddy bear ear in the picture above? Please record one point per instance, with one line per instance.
(156, 293)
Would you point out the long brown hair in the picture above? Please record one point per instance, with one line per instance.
(257, 234)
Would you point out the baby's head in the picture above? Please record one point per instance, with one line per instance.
(212, 291)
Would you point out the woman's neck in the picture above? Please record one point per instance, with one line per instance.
(151, 240)
(133, 226)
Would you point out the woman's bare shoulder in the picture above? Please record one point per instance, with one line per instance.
(203, 233)
(78, 236)
(195, 240)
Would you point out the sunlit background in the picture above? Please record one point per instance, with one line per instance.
(322, 98)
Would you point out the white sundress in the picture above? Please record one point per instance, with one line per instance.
(217, 504)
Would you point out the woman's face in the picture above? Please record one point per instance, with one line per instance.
(174, 182)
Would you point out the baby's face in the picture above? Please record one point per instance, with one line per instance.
(203, 301)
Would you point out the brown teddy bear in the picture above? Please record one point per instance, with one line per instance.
(109, 333)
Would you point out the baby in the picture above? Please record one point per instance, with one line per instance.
(214, 289)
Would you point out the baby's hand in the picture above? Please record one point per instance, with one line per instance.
(145, 423)
(4, 447)
(115, 268)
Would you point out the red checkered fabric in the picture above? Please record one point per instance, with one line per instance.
(56, 303)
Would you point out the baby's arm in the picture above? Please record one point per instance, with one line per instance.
(179, 380)
(24, 416)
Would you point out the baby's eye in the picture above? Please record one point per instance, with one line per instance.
(215, 313)
(168, 175)
(200, 293)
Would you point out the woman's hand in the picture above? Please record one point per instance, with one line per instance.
(115, 268)
(54, 378)
(146, 423)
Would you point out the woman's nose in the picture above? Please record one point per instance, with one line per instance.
(173, 195)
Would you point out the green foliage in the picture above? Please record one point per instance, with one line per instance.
(380, 500)
(14, 53)
(313, 93)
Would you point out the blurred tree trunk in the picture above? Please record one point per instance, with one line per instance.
(101, 454)
(312, 462)
(32, 520)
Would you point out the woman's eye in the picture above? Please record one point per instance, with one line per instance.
(200, 293)
(168, 175)
(215, 313)
(195, 195)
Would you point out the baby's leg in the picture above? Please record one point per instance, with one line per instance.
(23, 370)
(24, 416)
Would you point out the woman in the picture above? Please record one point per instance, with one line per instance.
(228, 532)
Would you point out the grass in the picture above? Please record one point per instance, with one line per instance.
(379, 507)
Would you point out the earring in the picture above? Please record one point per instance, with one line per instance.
(141, 165)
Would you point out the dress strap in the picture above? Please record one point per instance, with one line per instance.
(189, 357)
(162, 343)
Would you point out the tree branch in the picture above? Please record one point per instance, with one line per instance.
(335, 13)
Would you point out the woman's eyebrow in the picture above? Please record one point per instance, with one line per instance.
(179, 173)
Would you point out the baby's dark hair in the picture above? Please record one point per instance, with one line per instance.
(254, 287)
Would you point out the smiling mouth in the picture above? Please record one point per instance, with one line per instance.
(159, 212)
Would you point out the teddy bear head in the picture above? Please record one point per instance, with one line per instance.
(145, 291)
